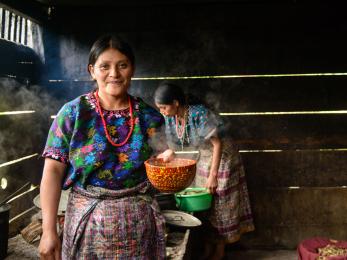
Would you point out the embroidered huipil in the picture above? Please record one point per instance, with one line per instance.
(77, 138)
(200, 125)
(230, 214)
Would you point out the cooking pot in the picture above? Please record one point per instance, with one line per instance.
(166, 201)
(4, 227)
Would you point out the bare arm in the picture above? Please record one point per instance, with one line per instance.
(212, 181)
(50, 190)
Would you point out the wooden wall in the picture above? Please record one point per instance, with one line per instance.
(21, 135)
(295, 163)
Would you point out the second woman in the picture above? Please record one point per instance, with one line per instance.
(190, 125)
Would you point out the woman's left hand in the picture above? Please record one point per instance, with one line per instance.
(212, 184)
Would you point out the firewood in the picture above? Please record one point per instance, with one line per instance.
(32, 232)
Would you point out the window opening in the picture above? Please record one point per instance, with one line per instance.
(16, 28)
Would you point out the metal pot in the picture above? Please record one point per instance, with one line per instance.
(4, 227)
(166, 201)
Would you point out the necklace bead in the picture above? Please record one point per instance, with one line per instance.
(180, 131)
(105, 126)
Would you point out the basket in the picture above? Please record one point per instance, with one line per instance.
(193, 199)
(172, 176)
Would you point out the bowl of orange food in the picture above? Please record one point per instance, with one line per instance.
(172, 176)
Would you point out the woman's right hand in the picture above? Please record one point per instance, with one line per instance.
(167, 156)
(50, 246)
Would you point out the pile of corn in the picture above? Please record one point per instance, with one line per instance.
(331, 250)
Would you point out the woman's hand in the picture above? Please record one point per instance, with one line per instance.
(50, 246)
(211, 183)
(167, 156)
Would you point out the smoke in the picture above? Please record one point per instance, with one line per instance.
(24, 134)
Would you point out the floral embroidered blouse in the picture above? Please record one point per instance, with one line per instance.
(201, 124)
(77, 138)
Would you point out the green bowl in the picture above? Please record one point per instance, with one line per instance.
(193, 199)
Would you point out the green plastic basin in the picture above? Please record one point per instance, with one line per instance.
(193, 199)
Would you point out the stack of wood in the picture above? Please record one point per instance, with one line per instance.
(33, 231)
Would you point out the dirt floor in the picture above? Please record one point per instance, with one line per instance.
(263, 255)
(19, 249)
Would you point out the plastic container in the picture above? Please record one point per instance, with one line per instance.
(193, 199)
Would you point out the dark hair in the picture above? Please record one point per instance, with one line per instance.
(110, 41)
(166, 93)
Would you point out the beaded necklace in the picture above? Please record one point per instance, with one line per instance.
(104, 122)
(180, 131)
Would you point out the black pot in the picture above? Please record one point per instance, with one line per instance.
(4, 227)
(166, 201)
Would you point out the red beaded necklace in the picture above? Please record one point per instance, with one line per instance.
(104, 122)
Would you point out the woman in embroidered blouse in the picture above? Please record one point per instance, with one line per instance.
(190, 125)
(97, 145)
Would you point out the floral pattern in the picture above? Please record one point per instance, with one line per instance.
(77, 138)
(201, 122)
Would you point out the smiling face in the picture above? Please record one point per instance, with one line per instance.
(112, 71)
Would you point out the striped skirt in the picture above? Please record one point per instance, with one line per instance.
(107, 224)
(230, 215)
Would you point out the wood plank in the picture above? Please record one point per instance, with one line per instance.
(259, 94)
(19, 174)
(288, 131)
(230, 55)
(265, 237)
(303, 169)
(292, 143)
(10, 64)
(22, 135)
(285, 217)
(235, 95)
(19, 206)
(187, 43)
(277, 94)
(264, 132)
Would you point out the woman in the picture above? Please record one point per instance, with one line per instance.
(192, 126)
(97, 145)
